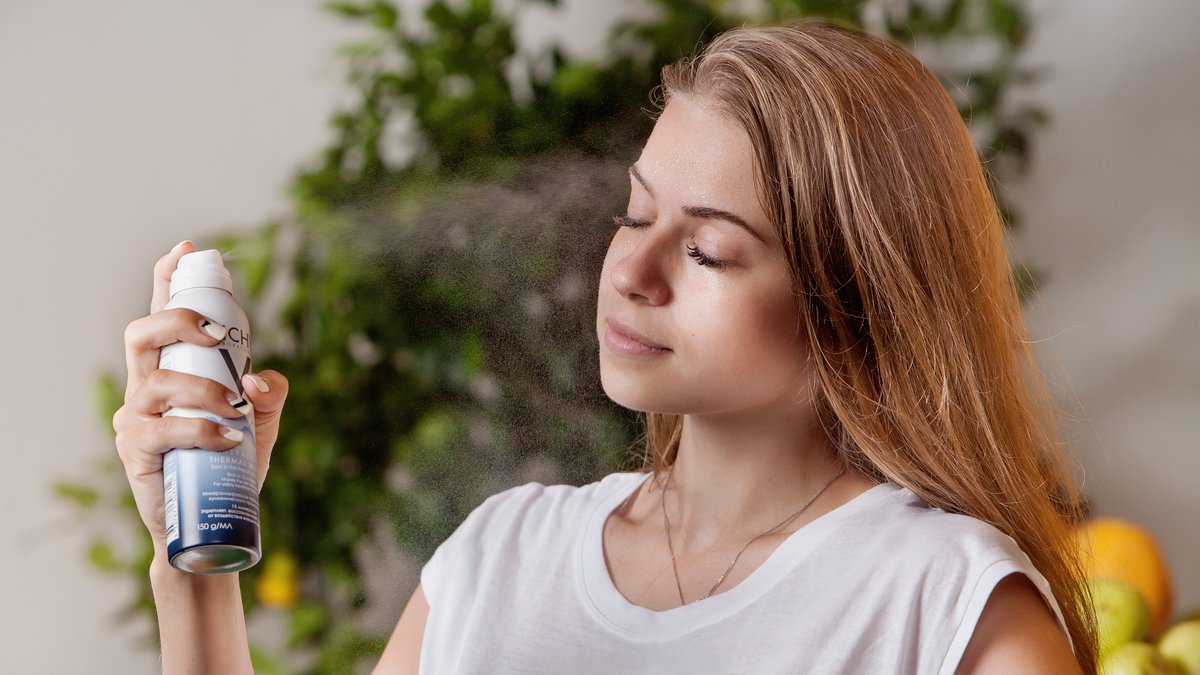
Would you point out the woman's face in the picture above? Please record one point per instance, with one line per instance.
(696, 269)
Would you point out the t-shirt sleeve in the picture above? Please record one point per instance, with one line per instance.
(463, 549)
(434, 569)
(1007, 558)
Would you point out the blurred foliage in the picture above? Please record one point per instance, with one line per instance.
(431, 295)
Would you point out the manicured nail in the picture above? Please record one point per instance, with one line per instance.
(242, 405)
(216, 330)
(260, 383)
(178, 246)
(232, 434)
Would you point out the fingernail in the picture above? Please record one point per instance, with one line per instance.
(242, 405)
(216, 330)
(178, 246)
(260, 383)
(232, 434)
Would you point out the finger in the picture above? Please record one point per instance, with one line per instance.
(141, 446)
(267, 390)
(166, 389)
(163, 269)
(145, 336)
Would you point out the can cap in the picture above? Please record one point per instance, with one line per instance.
(201, 269)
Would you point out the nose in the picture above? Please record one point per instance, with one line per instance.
(639, 272)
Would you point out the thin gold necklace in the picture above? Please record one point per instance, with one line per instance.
(667, 527)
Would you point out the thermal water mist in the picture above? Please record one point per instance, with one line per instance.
(211, 497)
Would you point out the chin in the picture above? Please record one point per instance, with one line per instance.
(622, 390)
(640, 394)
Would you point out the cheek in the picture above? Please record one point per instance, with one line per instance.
(782, 322)
(762, 337)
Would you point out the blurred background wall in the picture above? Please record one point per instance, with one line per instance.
(127, 126)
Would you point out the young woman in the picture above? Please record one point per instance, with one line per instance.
(850, 466)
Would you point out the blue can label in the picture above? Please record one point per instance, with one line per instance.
(212, 497)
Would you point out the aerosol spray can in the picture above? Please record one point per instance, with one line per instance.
(210, 497)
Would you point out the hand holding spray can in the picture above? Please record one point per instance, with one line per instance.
(210, 497)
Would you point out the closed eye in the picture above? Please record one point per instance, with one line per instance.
(705, 260)
(626, 221)
(695, 253)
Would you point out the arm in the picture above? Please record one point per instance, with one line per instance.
(200, 618)
(200, 621)
(1017, 633)
(403, 651)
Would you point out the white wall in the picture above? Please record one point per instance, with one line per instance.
(1111, 210)
(126, 126)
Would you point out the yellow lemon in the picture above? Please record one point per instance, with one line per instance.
(277, 586)
(1117, 549)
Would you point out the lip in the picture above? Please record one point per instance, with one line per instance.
(623, 339)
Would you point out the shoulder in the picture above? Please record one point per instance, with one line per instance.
(1017, 632)
(922, 536)
(528, 519)
(941, 540)
(976, 584)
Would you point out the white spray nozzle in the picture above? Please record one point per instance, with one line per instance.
(201, 269)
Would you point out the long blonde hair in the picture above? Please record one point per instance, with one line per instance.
(923, 370)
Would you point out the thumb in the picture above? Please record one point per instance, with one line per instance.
(267, 391)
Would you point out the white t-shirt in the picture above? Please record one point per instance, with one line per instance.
(883, 584)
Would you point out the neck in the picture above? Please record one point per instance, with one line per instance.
(736, 476)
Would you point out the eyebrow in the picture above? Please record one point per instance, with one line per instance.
(706, 212)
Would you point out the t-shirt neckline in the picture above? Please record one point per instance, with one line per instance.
(614, 611)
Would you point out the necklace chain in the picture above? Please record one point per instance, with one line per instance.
(671, 548)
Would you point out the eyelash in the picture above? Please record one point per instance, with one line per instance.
(700, 257)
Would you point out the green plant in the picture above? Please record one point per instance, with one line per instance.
(431, 294)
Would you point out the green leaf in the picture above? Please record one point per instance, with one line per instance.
(384, 15)
(308, 620)
(264, 663)
(347, 648)
(102, 557)
(1009, 20)
(474, 352)
(347, 9)
(109, 396)
(575, 81)
(255, 263)
(363, 51)
(839, 11)
(82, 496)
(434, 430)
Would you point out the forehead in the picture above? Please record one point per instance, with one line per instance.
(696, 156)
